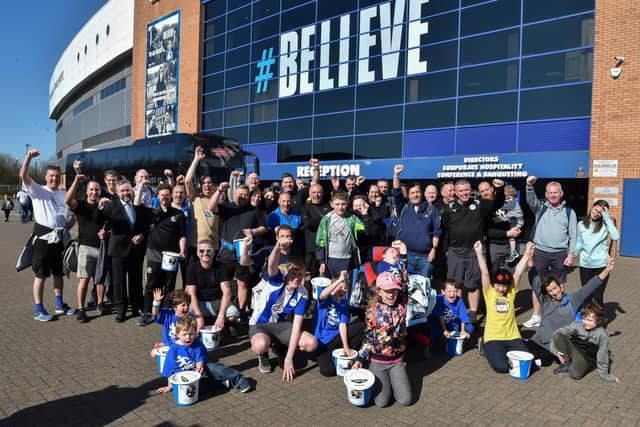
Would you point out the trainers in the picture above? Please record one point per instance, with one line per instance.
(243, 385)
(563, 368)
(65, 309)
(42, 316)
(145, 319)
(103, 309)
(226, 384)
(533, 322)
(82, 316)
(264, 364)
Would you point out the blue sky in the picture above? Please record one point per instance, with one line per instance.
(34, 35)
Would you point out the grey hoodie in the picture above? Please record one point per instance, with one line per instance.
(554, 231)
(597, 336)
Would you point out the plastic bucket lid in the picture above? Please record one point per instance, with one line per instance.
(342, 362)
(519, 364)
(170, 261)
(185, 387)
(359, 383)
(210, 336)
(317, 284)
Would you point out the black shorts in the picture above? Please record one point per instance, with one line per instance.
(231, 270)
(47, 258)
(464, 270)
(280, 331)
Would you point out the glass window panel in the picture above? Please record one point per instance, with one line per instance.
(430, 115)
(438, 6)
(240, 133)
(214, 28)
(537, 10)
(265, 132)
(238, 57)
(294, 129)
(490, 16)
(331, 8)
(288, 4)
(441, 27)
(213, 46)
(271, 93)
(431, 86)
(263, 112)
(557, 102)
(379, 120)
(264, 8)
(234, 4)
(213, 83)
(297, 151)
(334, 100)
(440, 56)
(573, 66)
(489, 78)
(212, 120)
(213, 64)
(238, 38)
(298, 17)
(378, 146)
(236, 116)
(379, 94)
(560, 34)
(212, 102)
(490, 47)
(266, 28)
(295, 106)
(497, 108)
(335, 26)
(333, 149)
(214, 8)
(471, 2)
(258, 47)
(333, 125)
(239, 96)
(237, 76)
(238, 18)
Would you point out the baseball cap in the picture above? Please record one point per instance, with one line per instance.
(387, 281)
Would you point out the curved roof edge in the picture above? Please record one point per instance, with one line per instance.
(106, 36)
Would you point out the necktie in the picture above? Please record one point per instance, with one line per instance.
(130, 214)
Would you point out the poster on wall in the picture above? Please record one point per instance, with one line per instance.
(163, 51)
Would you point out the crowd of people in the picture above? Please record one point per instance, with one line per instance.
(247, 253)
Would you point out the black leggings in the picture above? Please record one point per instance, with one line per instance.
(324, 356)
(496, 352)
(586, 274)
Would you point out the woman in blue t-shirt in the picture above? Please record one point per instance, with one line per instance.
(331, 324)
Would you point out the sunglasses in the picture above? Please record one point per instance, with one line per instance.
(205, 251)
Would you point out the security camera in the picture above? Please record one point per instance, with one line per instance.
(619, 58)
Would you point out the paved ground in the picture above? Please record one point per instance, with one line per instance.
(65, 373)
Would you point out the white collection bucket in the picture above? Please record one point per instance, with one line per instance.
(454, 345)
(161, 355)
(359, 384)
(170, 261)
(210, 337)
(519, 364)
(238, 244)
(185, 387)
(343, 363)
(317, 286)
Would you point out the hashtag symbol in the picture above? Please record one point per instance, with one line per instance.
(264, 70)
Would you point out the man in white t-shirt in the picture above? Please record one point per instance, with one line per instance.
(50, 214)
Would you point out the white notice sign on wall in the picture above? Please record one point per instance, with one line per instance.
(605, 168)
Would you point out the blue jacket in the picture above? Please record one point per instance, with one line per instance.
(417, 229)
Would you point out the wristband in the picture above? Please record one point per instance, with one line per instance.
(289, 361)
(156, 304)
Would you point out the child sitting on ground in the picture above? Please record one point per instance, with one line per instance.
(187, 353)
(449, 317)
(385, 341)
(513, 213)
(583, 346)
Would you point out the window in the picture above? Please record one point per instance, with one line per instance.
(379, 120)
(497, 108)
(214, 9)
(489, 78)
(573, 66)
(430, 115)
(113, 88)
(263, 112)
(380, 94)
(537, 10)
(333, 148)
(265, 28)
(213, 83)
(212, 102)
(490, 47)
(214, 28)
(239, 96)
(212, 120)
(213, 46)
(564, 101)
(264, 8)
(294, 129)
(298, 17)
(431, 86)
(236, 116)
(237, 76)
(333, 125)
(378, 146)
(238, 38)
(238, 57)
(83, 106)
(297, 151)
(295, 106)
(238, 18)
(265, 132)
(241, 133)
(490, 16)
(559, 34)
(334, 100)
(213, 64)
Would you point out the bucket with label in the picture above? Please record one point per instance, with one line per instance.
(170, 261)
(238, 244)
(185, 387)
(519, 364)
(161, 355)
(454, 345)
(359, 384)
(343, 361)
(210, 337)
(318, 284)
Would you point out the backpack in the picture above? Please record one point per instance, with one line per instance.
(70, 258)
(567, 210)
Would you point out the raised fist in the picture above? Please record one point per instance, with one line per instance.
(531, 180)
(397, 169)
(314, 162)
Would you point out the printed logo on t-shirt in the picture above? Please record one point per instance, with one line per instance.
(502, 305)
(173, 218)
(332, 316)
(185, 363)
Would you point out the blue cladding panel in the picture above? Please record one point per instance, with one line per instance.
(428, 143)
(267, 153)
(486, 139)
(561, 135)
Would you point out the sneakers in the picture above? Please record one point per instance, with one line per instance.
(243, 385)
(533, 322)
(65, 309)
(82, 317)
(145, 319)
(103, 309)
(42, 316)
(264, 364)
(563, 368)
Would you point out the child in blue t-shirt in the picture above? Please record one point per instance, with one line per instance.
(331, 324)
(394, 259)
(450, 316)
(167, 317)
(187, 353)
